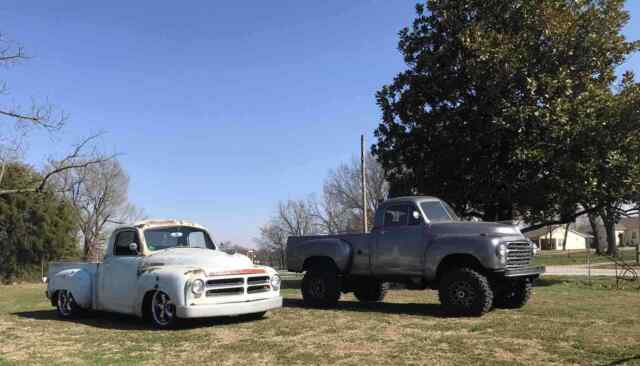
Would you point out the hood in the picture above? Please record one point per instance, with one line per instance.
(206, 259)
(474, 228)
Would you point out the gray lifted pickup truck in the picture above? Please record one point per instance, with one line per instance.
(419, 241)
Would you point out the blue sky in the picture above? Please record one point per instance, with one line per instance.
(219, 108)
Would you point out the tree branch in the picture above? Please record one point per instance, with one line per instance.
(561, 221)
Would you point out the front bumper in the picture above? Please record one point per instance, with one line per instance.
(227, 309)
(534, 272)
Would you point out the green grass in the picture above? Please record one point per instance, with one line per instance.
(567, 322)
(578, 257)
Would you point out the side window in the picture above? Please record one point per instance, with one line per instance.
(197, 240)
(123, 240)
(396, 216)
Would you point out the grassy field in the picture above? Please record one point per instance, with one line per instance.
(567, 322)
(578, 257)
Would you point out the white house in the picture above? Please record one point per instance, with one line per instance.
(628, 231)
(552, 237)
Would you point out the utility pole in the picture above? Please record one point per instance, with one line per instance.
(363, 176)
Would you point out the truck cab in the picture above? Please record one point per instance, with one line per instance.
(164, 270)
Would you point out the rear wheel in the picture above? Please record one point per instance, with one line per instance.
(466, 292)
(321, 289)
(515, 295)
(162, 311)
(370, 290)
(66, 304)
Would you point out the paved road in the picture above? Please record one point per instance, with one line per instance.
(578, 270)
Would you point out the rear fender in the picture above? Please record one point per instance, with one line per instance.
(77, 281)
(337, 250)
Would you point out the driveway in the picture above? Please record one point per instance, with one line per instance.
(580, 270)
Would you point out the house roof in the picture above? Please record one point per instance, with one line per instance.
(545, 230)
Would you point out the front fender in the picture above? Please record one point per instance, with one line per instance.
(78, 281)
(481, 248)
(169, 280)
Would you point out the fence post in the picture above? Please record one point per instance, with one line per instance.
(638, 253)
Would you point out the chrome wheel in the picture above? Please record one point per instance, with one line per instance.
(163, 310)
(66, 305)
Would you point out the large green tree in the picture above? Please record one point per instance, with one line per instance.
(34, 227)
(498, 101)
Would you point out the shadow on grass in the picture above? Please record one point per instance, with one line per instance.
(623, 361)
(545, 282)
(104, 320)
(434, 310)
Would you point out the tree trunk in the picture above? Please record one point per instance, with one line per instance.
(593, 222)
(609, 220)
(566, 233)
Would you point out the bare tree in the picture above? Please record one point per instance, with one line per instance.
(343, 187)
(77, 159)
(292, 218)
(99, 192)
(42, 115)
(273, 239)
(17, 122)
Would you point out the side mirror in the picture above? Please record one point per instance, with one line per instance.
(133, 247)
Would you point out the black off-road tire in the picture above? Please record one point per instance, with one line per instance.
(465, 292)
(370, 290)
(514, 296)
(321, 289)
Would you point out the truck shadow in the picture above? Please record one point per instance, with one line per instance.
(104, 320)
(433, 310)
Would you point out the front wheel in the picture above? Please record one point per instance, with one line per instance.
(66, 304)
(163, 311)
(320, 289)
(466, 292)
(514, 296)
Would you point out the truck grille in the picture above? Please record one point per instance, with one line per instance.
(237, 286)
(519, 254)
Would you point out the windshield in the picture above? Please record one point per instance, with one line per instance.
(437, 211)
(177, 236)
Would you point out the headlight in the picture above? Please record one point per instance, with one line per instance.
(197, 287)
(501, 252)
(275, 282)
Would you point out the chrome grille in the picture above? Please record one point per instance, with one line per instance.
(519, 254)
(257, 289)
(237, 281)
(229, 291)
(238, 286)
(261, 280)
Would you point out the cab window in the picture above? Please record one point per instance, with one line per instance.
(124, 238)
(396, 216)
